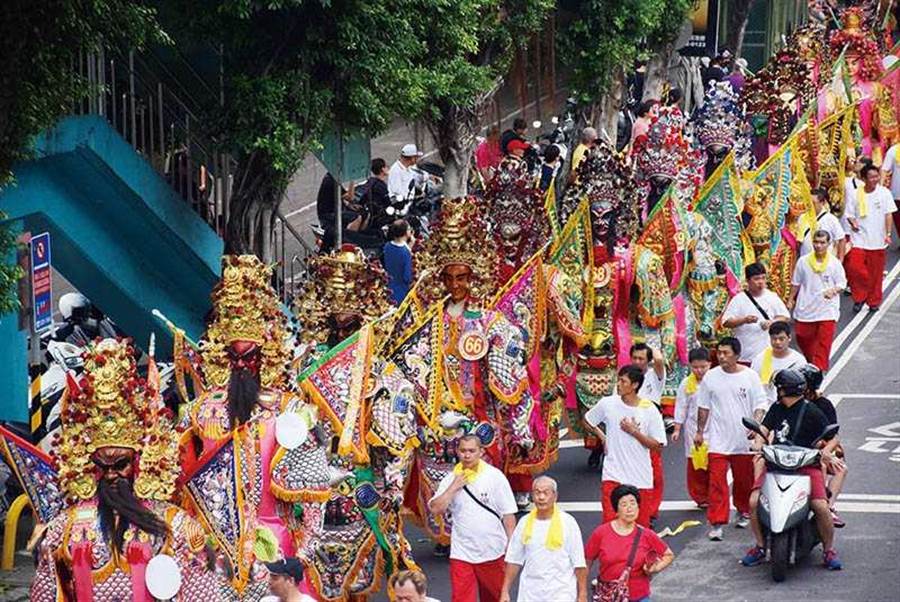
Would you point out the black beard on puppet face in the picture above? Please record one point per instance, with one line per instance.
(243, 393)
(116, 500)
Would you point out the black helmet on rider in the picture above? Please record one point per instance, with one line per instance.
(789, 383)
(814, 377)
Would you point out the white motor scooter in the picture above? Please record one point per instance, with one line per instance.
(784, 511)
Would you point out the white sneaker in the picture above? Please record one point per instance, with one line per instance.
(715, 534)
(742, 522)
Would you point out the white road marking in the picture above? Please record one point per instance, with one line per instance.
(859, 339)
(869, 497)
(571, 443)
(853, 507)
(847, 330)
(869, 395)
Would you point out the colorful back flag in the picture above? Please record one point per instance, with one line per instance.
(719, 202)
(338, 383)
(572, 253)
(36, 474)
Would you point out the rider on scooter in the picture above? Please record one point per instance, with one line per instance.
(781, 426)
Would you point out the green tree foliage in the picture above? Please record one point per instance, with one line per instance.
(40, 41)
(605, 39)
(470, 45)
(292, 70)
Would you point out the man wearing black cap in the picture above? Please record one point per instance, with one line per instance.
(284, 579)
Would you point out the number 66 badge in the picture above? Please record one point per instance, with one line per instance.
(472, 345)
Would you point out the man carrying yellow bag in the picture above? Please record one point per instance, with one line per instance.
(697, 458)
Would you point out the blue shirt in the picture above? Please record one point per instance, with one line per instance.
(398, 265)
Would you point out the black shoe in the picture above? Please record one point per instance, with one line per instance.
(874, 307)
(441, 551)
(595, 457)
(857, 307)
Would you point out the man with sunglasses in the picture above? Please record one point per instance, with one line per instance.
(116, 461)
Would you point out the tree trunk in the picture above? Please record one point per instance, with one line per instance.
(657, 73)
(253, 208)
(737, 24)
(605, 113)
(454, 133)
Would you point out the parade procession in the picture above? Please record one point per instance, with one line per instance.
(393, 426)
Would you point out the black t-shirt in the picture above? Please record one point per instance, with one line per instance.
(782, 420)
(377, 192)
(824, 404)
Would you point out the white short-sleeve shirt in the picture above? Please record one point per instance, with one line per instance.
(752, 337)
(729, 397)
(793, 359)
(652, 388)
(686, 416)
(627, 461)
(811, 304)
(871, 227)
(547, 574)
(891, 165)
(828, 222)
(478, 535)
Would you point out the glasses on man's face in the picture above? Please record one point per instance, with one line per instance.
(114, 466)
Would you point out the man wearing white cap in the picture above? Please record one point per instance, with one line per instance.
(402, 175)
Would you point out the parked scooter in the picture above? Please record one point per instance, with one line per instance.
(785, 515)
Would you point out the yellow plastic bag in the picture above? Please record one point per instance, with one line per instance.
(700, 456)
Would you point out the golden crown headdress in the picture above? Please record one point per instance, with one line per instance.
(461, 236)
(246, 308)
(343, 282)
(115, 407)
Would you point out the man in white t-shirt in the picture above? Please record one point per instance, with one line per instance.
(653, 366)
(749, 313)
(825, 220)
(869, 217)
(483, 510)
(634, 428)
(402, 175)
(777, 356)
(686, 423)
(816, 300)
(890, 170)
(547, 547)
(729, 392)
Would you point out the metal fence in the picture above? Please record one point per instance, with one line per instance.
(159, 115)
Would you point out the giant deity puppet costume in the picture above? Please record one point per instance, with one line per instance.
(253, 448)
(483, 385)
(120, 537)
(344, 312)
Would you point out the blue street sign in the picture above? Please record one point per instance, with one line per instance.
(41, 290)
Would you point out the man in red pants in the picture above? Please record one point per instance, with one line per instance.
(634, 428)
(815, 300)
(686, 424)
(652, 364)
(728, 393)
(868, 214)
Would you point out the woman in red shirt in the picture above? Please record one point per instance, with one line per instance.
(611, 545)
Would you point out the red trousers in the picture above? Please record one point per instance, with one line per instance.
(658, 484)
(742, 471)
(470, 582)
(697, 483)
(814, 340)
(865, 272)
(609, 513)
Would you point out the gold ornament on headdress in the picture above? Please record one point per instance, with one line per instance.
(114, 407)
(246, 308)
(460, 237)
(343, 282)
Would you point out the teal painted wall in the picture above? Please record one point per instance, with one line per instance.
(120, 235)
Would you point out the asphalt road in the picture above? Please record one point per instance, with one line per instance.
(863, 382)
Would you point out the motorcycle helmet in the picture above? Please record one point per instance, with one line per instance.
(70, 303)
(789, 383)
(813, 376)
